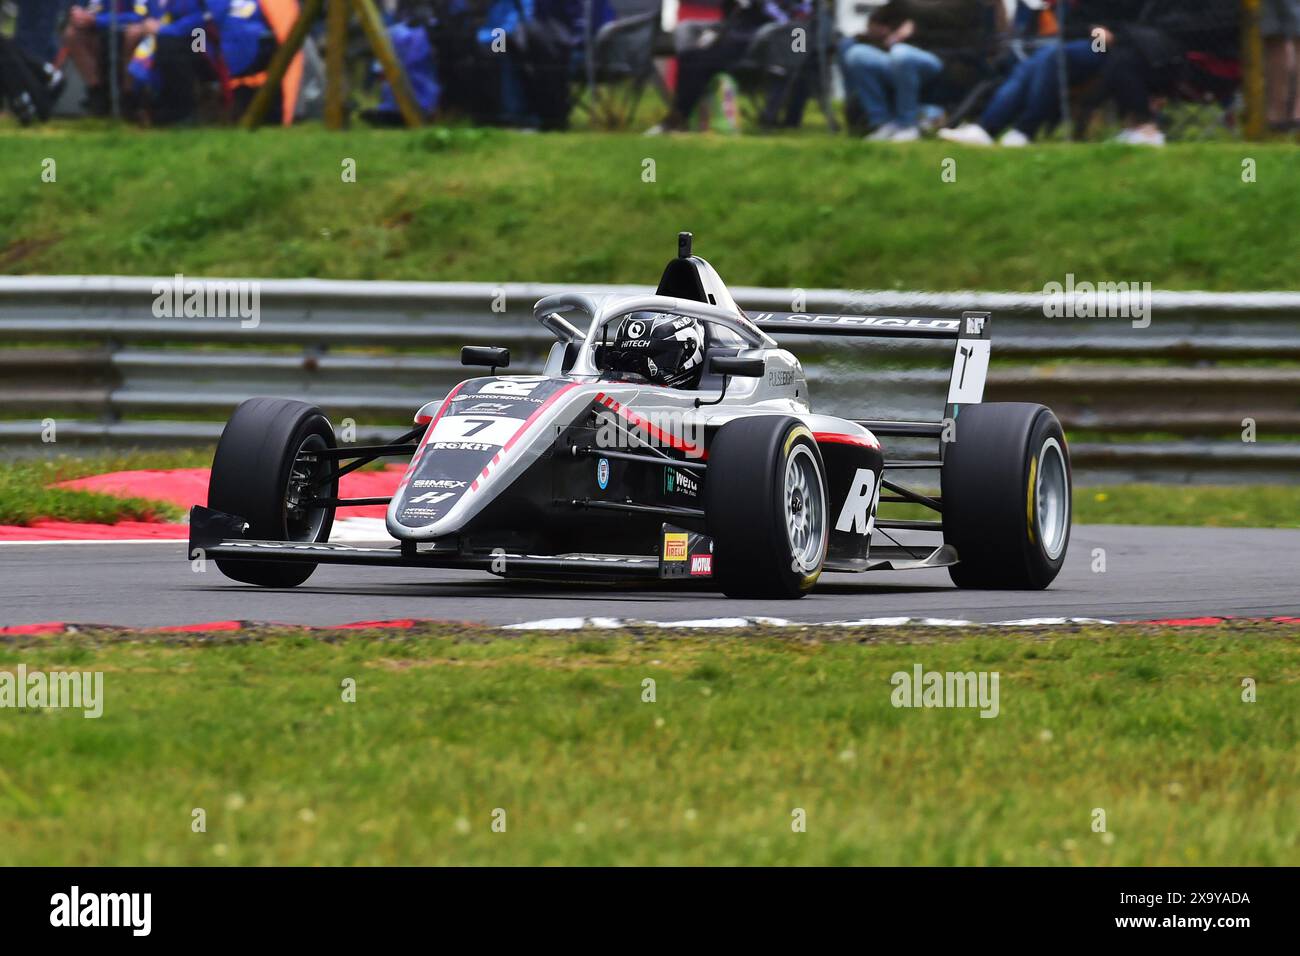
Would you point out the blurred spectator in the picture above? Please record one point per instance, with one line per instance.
(28, 86)
(187, 42)
(1279, 22)
(86, 39)
(718, 49)
(34, 32)
(1030, 98)
(1155, 52)
(886, 67)
(414, 48)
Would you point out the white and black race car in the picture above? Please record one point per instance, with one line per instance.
(669, 437)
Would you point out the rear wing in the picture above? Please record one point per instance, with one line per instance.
(970, 361)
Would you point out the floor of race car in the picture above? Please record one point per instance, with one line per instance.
(1112, 573)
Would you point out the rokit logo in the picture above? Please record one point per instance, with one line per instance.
(459, 446)
(130, 910)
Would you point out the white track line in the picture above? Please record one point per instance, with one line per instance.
(604, 623)
(345, 529)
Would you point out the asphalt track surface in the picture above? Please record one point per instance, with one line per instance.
(1151, 573)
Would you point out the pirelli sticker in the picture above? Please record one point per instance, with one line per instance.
(676, 546)
(685, 554)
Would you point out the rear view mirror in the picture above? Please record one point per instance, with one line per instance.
(485, 355)
(735, 365)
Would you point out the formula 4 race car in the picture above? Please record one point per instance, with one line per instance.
(668, 437)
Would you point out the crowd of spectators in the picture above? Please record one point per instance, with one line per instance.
(978, 72)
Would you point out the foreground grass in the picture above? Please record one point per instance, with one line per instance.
(803, 211)
(746, 728)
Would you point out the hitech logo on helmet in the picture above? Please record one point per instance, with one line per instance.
(663, 349)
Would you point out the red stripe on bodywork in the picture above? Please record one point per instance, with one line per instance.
(836, 438)
(658, 434)
(428, 433)
(496, 459)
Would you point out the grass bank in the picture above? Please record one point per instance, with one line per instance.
(803, 211)
(450, 730)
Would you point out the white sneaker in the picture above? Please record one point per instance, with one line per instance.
(1014, 139)
(968, 134)
(883, 134)
(907, 134)
(1141, 136)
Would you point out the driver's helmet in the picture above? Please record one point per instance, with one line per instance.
(662, 349)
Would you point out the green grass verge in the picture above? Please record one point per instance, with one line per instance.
(1146, 725)
(802, 211)
(26, 495)
(1210, 506)
(1206, 506)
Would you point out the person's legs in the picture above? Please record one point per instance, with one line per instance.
(1043, 105)
(695, 68)
(34, 31)
(1278, 75)
(1128, 84)
(1010, 99)
(910, 67)
(83, 49)
(867, 76)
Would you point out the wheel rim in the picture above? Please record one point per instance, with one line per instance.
(303, 521)
(1052, 497)
(804, 500)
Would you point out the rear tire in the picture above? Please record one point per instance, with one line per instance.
(262, 471)
(765, 507)
(1006, 496)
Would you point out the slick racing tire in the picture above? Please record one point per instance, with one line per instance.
(765, 507)
(264, 472)
(1006, 496)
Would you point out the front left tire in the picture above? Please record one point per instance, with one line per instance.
(266, 472)
(765, 506)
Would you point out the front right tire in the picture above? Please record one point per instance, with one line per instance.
(1006, 496)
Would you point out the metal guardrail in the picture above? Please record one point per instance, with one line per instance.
(90, 353)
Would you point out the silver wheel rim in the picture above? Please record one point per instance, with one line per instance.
(1052, 499)
(303, 521)
(804, 499)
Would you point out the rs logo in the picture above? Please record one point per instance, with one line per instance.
(859, 511)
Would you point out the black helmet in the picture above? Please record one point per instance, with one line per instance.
(663, 349)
